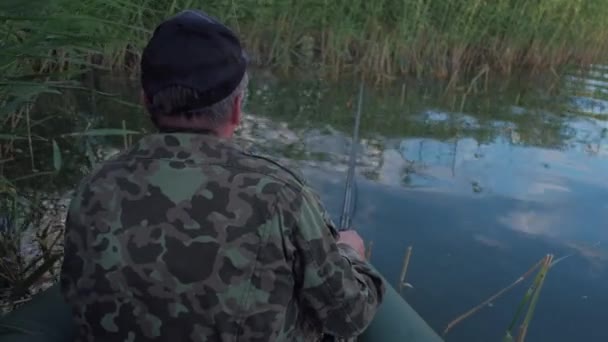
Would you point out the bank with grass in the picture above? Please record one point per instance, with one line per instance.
(382, 39)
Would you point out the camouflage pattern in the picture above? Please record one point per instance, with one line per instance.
(186, 237)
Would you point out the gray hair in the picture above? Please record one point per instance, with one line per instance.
(168, 101)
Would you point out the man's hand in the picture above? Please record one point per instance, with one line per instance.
(351, 238)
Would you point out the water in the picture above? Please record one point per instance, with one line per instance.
(482, 185)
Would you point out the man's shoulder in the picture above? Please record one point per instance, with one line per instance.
(228, 167)
(300, 189)
(269, 166)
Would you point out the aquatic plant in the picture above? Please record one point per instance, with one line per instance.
(530, 298)
(47, 54)
(423, 37)
(25, 217)
(47, 57)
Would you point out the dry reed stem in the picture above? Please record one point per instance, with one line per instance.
(493, 297)
(406, 263)
(15, 302)
(29, 137)
(523, 330)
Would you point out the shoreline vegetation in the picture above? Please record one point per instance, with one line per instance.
(380, 40)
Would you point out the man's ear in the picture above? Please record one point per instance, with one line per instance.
(235, 117)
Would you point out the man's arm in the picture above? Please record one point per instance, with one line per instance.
(337, 284)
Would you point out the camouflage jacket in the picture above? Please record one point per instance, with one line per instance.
(186, 237)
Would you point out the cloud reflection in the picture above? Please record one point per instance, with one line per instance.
(531, 222)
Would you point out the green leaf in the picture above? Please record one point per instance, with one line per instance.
(11, 329)
(11, 137)
(29, 90)
(23, 93)
(508, 337)
(56, 156)
(6, 187)
(13, 6)
(90, 155)
(102, 132)
(32, 175)
(21, 288)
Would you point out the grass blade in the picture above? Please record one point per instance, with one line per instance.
(21, 288)
(492, 298)
(528, 319)
(102, 132)
(56, 156)
(11, 137)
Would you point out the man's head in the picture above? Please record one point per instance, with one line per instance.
(193, 75)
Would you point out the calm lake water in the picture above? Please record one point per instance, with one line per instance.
(482, 184)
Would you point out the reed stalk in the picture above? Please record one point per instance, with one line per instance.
(406, 263)
(492, 298)
(382, 39)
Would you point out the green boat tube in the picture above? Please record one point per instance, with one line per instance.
(397, 321)
(46, 318)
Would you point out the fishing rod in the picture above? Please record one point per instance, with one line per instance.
(348, 205)
(349, 201)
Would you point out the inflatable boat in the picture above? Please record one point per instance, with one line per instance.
(47, 318)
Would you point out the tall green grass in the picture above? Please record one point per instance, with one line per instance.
(381, 39)
(47, 51)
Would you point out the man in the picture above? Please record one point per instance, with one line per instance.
(186, 237)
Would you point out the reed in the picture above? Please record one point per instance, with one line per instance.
(406, 263)
(492, 298)
(530, 299)
(381, 39)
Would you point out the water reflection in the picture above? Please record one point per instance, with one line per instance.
(560, 180)
(589, 92)
(482, 194)
(466, 248)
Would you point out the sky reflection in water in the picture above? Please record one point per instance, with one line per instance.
(480, 214)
